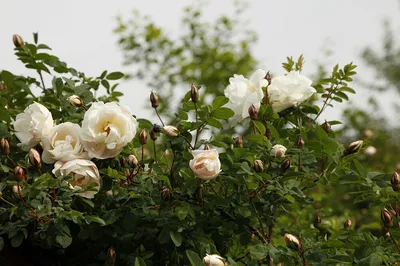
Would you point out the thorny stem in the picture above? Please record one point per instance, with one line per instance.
(394, 241)
(159, 117)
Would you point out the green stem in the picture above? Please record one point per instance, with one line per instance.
(41, 78)
(6, 201)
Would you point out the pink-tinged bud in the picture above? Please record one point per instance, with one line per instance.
(34, 158)
(253, 112)
(353, 147)
(327, 127)
(170, 131)
(386, 218)
(18, 41)
(300, 142)
(194, 93)
(347, 224)
(111, 255)
(17, 190)
(143, 137)
(166, 193)
(4, 146)
(368, 133)
(19, 173)
(258, 166)
(133, 161)
(239, 142)
(395, 180)
(75, 100)
(286, 164)
(3, 86)
(292, 242)
(278, 151)
(154, 100)
(317, 221)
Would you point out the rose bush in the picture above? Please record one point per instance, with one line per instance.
(133, 191)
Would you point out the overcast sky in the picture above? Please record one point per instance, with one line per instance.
(80, 33)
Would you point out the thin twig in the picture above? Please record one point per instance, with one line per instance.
(6, 201)
(198, 129)
(394, 241)
(12, 161)
(155, 151)
(159, 117)
(41, 78)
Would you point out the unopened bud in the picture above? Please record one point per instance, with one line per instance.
(109, 193)
(368, 133)
(153, 134)
(258, 166)
(18, 41)
(268, 78)
(157, 128)
(278, 151)
(214, 260)
(386, 218)
(143, 137)
(133, 161)
(268, 133)
(300, 142)
(347, 224)
(19, 173)
(239, 142)
(395, 180)
(353, 147)
(165, 193)
(4, 146)
(170, 131)
(286, 164)
(327, 127)
(122, 161)
(317, 221)
(111, 255)
(253, 112)
(194, 93)
(154, 100)
(34, 158)
(292, 242)
(75, 100)
(3, 86)
(17, 190)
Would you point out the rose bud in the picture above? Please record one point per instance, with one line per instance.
(317, 221)
(268, 78)
(214, 260)
(239, 142)
(75, 100)
(17, 190)
(386, 218)
(111, 255)
(4, 146)
(143, 137)
(165, 193)
(122, 161)
(205, 164)
(34, 158)
(253, 112)
(370, 150)
(327, 127)
(3, 86)
(153, 135)
(170, 131)
(109, 193)
(300, 142)
(258, 166)
(133, 161)
(18, 41)
(353, 147)
(19, 173)
(286, 164)
(292, 242)
(395, 180)
(278, 151)
(154, 100)
(347, 224)
(194, 93)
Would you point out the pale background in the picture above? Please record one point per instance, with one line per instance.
(80, 33)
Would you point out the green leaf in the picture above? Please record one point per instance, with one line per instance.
(260, 127)
(1, 243)
(64, 240)
(223, 113)
(105, 84)
(17, 239)
(219, 101)
(259, 251)
(139, 262)
(211, 121)
(88, 202)
(176, 238)
(194, 258)
(114, 75)
(95, 219)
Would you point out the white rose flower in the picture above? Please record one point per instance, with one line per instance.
(214, 260)
(63, 144)
(289, 90)
(205, 164)
(84, 174)
(243, 93)
(36, 121)
(278, 151)
(106, 129)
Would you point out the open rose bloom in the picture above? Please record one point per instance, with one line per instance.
(205, 164)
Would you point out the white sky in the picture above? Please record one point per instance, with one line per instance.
(80, 33)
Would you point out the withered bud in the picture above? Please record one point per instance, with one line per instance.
(292, 242)
(34, 158)
(353, 147)
(317, 221)
(268, 78)
(4, 146)
(154, 100)
(122, 161)
(111, 255)
(395, 180)
(18, 41)
(327, 127)
(143, 137)
(347, 224)
(166, 193)
(17, 190)
(386, 218)
(157, 128)
(75, 100)
(253, 112)
(194, 93)
(19, 173)
(286, 164)
(385, 232)
(258, 166)
(300, 142)
(133, 161)
(170, 131)
(239, 142)
(153, 134)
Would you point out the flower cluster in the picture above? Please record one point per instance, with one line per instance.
(106, 129)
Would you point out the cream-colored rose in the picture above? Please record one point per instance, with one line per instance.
(289, 90)
(242, 93)
(214, 260)
(278, 151)
(106, 129)
(85, 175)
(36, 121)
(63, 144)
(205, 164)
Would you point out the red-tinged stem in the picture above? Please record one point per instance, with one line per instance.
(394, 241)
